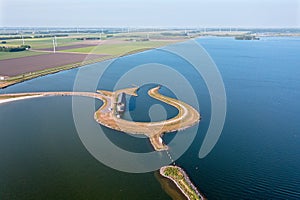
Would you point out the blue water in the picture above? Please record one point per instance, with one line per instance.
(256, 157)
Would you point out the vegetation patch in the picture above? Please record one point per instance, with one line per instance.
(14, 49)
(180, 178)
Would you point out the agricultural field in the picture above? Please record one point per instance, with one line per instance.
(61, 48)
(17, 66)
(74, 50)
(120, 48)
(38, 43)
(21, 54)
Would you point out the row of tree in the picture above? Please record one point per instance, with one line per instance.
(14, 49)
(30, 37)
(89, 38)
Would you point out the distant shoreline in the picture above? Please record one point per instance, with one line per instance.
(25, 77)
(8, 81)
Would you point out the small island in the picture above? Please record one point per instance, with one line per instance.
(182, 181)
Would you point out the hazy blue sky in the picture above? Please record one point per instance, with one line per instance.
(159, 13)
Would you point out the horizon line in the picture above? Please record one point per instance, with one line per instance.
(160, 27)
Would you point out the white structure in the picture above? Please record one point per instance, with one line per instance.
(55, 41)
(2, 78)
(53, 45)
(23, 41)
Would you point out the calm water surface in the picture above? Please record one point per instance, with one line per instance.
(257, 156)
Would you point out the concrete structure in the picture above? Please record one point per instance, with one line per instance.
(120, 104)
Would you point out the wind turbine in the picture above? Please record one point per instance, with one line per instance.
(55, 41)
(23, 41)
(53, 45)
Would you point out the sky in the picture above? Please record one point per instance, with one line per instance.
(150, 13)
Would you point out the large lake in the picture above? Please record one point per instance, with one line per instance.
(256, 157)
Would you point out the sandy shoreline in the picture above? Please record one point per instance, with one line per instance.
(18, 98)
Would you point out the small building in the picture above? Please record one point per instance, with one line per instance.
(2, 78)
(121, 103)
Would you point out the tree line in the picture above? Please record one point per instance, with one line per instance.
(14, 49)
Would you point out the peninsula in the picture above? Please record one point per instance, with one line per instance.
(107, 114)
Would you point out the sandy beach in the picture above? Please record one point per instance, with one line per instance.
(18, 98)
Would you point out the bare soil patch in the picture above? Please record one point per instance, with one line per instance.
(17, 66)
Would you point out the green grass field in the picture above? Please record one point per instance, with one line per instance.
(36, 43)
(9, 55)
(120, 49)
(39, 43)
(117, 49)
